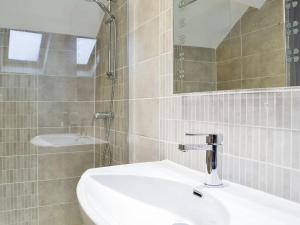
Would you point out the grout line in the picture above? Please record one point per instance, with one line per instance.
(37, 158)
(14, 210)
(291, 96)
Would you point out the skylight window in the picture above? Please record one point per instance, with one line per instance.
(85, 48)
(24, 46)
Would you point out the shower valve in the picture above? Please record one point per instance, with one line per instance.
(110, 75)
(104, 115)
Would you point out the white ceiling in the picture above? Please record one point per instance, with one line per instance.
(74, 17)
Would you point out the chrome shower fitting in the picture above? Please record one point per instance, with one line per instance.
(104, 8)
(104, 115)
(111, 75)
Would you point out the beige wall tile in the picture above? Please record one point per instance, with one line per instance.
(65, 165)
(61, 42)
(146, 39)
(144, 11)
(229, 70)
(236, 30)
(200, 71)
(266, 64)
(61, 63)
(85, 90)
(270, 14)
(147, 73)
(263, 40)
(199, 54)
(194, 86)
(64, 214)
(258, 35)
(229, 49)
(145, 149)
(146, 118)
(53, 88)
(66, 149)
(57, 191)
(65, 114)
(20, 216)
(230, 85)
(264, 82)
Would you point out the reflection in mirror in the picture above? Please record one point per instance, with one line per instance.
(41, 53)
(54, 76)
(24, 46)
(228, 45)
(292, 15)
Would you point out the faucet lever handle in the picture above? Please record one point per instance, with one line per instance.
(200, 147)
(211, 139)
(196, 134)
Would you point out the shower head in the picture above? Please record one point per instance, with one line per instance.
(103, 7)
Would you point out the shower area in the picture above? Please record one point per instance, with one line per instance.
(63, 103)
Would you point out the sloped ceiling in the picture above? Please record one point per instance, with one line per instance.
(205, 23)
(73, 17)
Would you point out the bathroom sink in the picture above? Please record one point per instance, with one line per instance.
(144, 200)
(161, 193)
(64, 140)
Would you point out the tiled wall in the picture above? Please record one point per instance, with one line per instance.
(252, 55)
(261, 129)
(18, 158)
(119, 129)
(53, 95)
(195, 69)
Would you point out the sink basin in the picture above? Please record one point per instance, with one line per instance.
(161, 193)
(152, 201)
(64, 140)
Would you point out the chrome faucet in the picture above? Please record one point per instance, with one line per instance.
(213, 148)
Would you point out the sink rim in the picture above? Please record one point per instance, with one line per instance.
(268, 207)
(173, 186)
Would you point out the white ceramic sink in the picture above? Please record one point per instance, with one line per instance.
(152, 201)
(161, 193)
(64, 140)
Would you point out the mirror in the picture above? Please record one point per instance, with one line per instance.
(234, 44)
